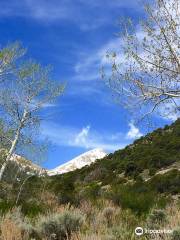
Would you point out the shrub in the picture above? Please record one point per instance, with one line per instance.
(152, 171)
(121, 233)
(86, 208)
(91, 191)
(60, 225)
(32, 208)
(108, 213)
(176, 234)
(131, 169)
(5, 206)
(16, 214)
(130, 197)
(167, 183)
(14, 226)
(29, 230)
(157, 216)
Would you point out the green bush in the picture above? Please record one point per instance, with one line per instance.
(176, 234)
(130, 197)
(167, 183)
(32, 208)
(5, 206)
(157, 216)
(131, 169)
(91, 191)
(152, 171)
(60, 225)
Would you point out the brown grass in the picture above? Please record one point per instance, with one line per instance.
(102, 222)
(9, 230)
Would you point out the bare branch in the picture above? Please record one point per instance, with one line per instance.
(149, 72)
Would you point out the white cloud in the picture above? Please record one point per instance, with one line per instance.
(44, 105)
(49, 11)
(86, 137)
(133, 132)
(88, 15)
(49, 105)
(89, 64)
(82, 137)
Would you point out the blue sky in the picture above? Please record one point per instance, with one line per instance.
(74, 36)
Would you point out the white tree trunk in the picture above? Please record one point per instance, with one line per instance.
(10, 153)
(13, 145)
(21, 188)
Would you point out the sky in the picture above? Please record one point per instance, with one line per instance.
(74, 37)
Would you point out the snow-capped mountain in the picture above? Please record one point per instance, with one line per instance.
(82, 160)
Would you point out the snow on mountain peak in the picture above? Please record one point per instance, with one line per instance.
(80, 161)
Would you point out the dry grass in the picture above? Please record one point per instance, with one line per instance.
(9, 230)
(50, 200)
(102, 222)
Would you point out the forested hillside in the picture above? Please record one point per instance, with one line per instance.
(131, 169)
(135, 166)
(156, 150)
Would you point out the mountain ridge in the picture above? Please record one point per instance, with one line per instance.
(84, 159)
(147, 152)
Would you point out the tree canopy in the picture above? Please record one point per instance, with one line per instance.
(145, 70)
(26, 88)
